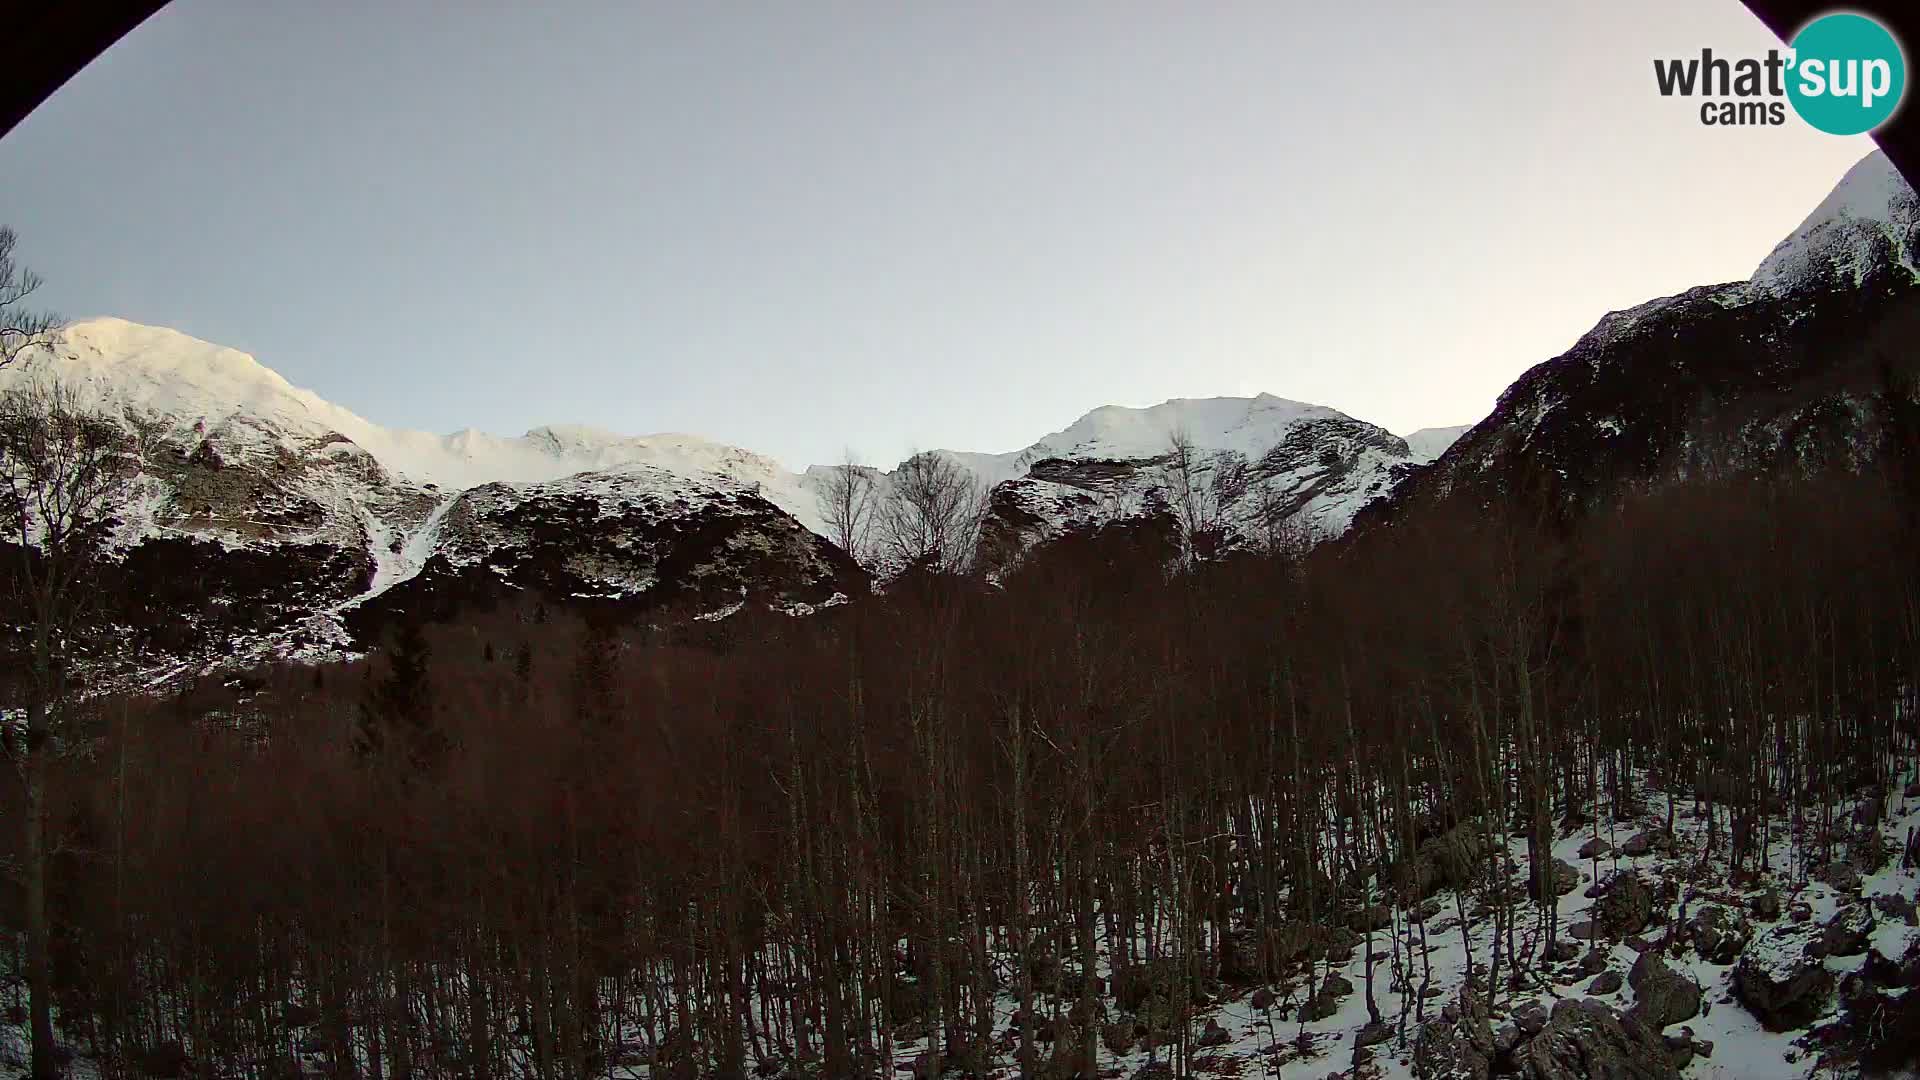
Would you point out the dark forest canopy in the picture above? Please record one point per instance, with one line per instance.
(527, 844)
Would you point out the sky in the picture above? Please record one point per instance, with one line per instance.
(811, 227)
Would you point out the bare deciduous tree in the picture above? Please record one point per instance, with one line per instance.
(62, 468)
(931, 513)
(20, 328)
(1194, 503)
(847, 497)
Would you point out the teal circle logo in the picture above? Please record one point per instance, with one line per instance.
(1848, 74)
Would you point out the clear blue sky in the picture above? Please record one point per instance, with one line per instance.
(962, 223)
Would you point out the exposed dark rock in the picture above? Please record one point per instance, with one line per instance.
(1661, 996)
(1718, 934)
(1531, 1017)
(1626, 908)
(1778, 983)
(1842, 876)
(1562, 877)
(1585, 1040)
(1896, 906)
(1458, 1044)
(1847, 932)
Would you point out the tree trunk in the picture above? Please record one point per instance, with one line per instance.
(39, 967)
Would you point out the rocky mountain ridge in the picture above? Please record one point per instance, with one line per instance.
(1807, 365)
(304, 525)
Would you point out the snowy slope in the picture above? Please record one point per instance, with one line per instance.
(1774, 374)
(198, 388)
(1429, 443)
(1871, 219)
(1264, 468)
(242, 468)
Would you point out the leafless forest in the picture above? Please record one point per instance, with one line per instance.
(545, 843)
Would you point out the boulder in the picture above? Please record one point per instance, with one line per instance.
(1531, 1018)
(1459, 1044)
(1840, 876)
(1661, 995)
(1718, 934)
(1446, 861)
(1376, 917)
(1373, 1034)
(1645, 842)
(1778, 983)
(1327, 1001)
(1585, 1040)
(1847, 933)
(1607, 982)
(1595, 848)
(1562, 877)
(1896, 906)
(1626, 908)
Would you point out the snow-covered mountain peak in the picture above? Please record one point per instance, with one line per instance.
(1428, 444)
(1249, 425)
(1871, 217)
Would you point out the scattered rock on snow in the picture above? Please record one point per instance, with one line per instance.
(1458, 1044)
(1778, 983)
(1841, 876)
(1845, 934)
(1607, 982)
(1662, 996)
(1373, 1034)
(1718, 934)
(1896, 906)
(1645, 842)
(1585, 1039)
(1626, 907)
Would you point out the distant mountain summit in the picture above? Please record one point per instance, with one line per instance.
(268, 521)
(1805, 366)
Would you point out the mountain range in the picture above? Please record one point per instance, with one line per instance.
(267, 521)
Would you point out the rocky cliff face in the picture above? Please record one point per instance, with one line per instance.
(265, 521)
(1809, 365)
(1230, 472)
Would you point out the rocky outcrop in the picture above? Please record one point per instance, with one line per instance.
(1718, 934)
(1779, 983)
(1586, 1040)
(1258, 471)
(1661, 996)
(1459, 1045)
(1783, 374)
